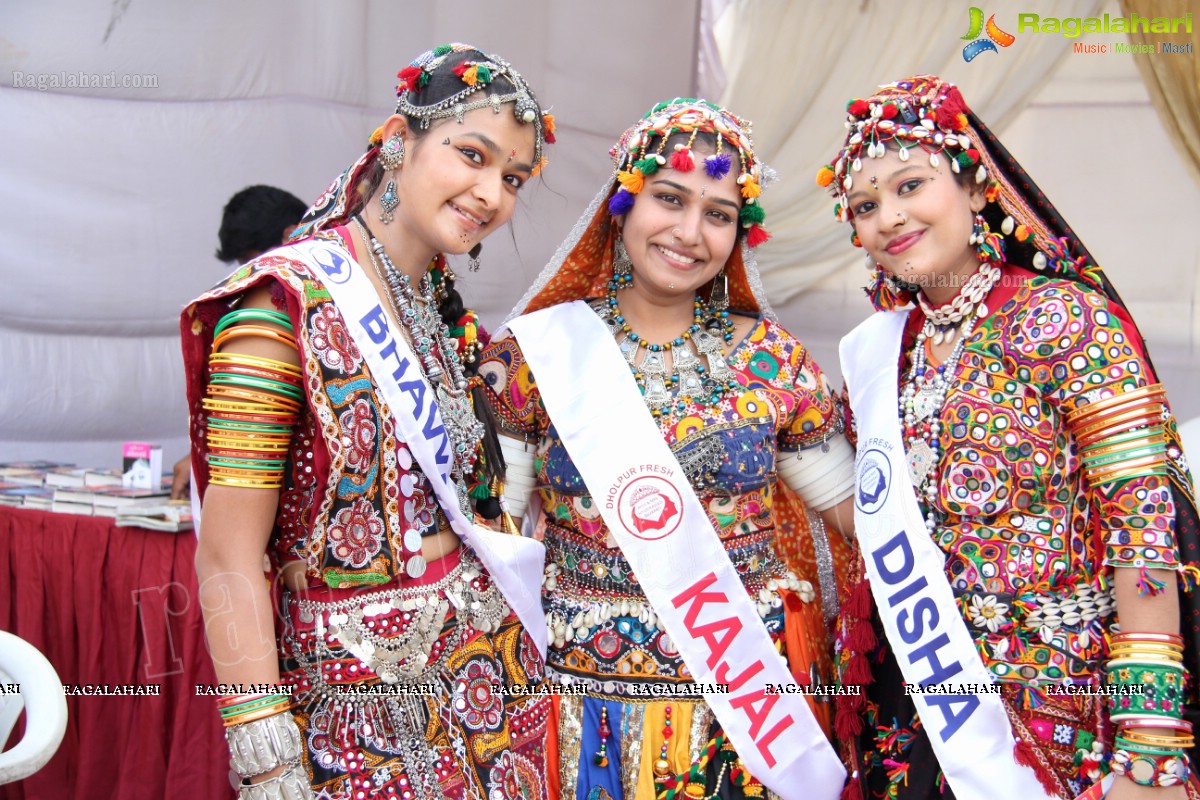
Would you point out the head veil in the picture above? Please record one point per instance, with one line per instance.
(582, 265)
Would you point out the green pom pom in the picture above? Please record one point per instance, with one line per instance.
(752, 214)
(442, 50)
(964, 160)
(483, 74)
(480, 491)
(648, 165)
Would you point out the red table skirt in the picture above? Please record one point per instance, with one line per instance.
(115, 606)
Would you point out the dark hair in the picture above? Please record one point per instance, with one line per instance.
(254, 220)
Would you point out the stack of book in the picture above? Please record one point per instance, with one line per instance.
(67, 489)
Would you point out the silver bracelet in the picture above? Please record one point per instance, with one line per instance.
(291, 784)
(264, 744)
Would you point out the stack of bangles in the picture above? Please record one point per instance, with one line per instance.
(1122, 436)
(252, 403)
(262, 737)
(1152, 737)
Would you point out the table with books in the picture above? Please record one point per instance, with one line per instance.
(115, 609)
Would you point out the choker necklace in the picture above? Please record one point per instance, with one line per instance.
(948, 319)
(428, 333)
(698, 371)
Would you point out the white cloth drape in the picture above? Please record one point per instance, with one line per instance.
(786, 68)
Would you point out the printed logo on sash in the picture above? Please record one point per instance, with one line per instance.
(650, 508)
(333, 264)
(873, 480)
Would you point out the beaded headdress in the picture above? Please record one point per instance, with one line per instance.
(476, 76)
(926, 117)
(582, 265)
(339, 202)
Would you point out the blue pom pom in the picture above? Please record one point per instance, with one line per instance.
(717, 166)
(620, 203)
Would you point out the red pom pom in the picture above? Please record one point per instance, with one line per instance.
(858, 605)
(973, 154)
(461, 67)
(682, 161)
(859, 107)
(756, 236)
(858, 672)
(952, 113)
(853, 790)
(409, 77)
(890, 110)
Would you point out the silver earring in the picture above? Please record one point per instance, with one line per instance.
(391, 152)
(473, 257)
(719, 297)
(388, 201)
(622, 265)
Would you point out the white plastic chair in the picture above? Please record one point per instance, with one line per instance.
(45, 703)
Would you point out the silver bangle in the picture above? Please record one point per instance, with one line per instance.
(291, 784)
(264, 744)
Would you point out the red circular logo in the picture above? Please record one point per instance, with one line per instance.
(650, 508)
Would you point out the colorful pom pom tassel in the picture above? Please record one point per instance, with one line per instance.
(752, 214)
(681, 160)
(750, 187)
(620, 203)
(717, 165)
(631, 181)
(756, 235)
(649, 165)
(1147, 584)
(548, 128)
(413, 78)
(825, 176)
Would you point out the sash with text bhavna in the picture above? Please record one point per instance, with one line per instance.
(969, 731)
(656, 518)
(515, 563)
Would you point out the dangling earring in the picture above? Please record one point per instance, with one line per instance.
(622, 265)
(718, 299)
(978, 231)
(391, 156)
(473, 257)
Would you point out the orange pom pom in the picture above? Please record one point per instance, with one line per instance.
(632, 181)
(376, 137)
(825, 176)
(750, 188)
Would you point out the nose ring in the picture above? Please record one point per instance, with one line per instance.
(675, 233)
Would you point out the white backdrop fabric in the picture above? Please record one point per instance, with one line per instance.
(110, 198)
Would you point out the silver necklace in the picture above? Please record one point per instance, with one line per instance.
(428, 333)
(948, 319)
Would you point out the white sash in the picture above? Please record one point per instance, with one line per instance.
(656, 518)
(969, 729)
(514, 562)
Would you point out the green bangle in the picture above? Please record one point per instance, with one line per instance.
(259, 314)
(254, 705)
(1140, 433)
(247, 427)
(1124, 455)
(279, 387)
(264, 465)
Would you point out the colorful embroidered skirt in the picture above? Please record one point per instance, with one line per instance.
(406, 692)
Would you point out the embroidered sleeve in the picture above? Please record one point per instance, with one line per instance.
(513, 394)
(818, 413)
(1072, 346)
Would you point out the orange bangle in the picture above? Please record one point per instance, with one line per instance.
(261, 362)
(1150, 391)
(253, 330)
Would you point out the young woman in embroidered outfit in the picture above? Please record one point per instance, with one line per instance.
(312, 440)
(674, 306)
(1045, 466)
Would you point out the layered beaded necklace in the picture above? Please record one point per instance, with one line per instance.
(430, 337)
(949, 318)
(698, 373)
(924, 393)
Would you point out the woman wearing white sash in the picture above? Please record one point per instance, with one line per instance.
(662, 257)
(1010, 428)
(394, 641)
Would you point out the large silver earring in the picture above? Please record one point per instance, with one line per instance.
(718, 299)
(622, 265)
(388, 201)
(391, 152)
